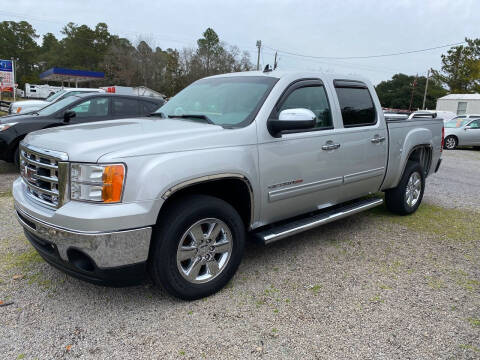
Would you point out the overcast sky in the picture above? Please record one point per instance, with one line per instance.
(335, 28)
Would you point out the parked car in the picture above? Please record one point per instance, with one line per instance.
(74, 109)
(462, 131)
(27, 106)
(271, 154)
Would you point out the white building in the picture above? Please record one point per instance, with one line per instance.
(460, 104)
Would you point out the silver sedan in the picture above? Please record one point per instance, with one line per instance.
(462, 132)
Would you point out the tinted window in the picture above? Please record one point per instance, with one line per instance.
(356, 105)
(125, 107)
(313, 98)
(148, 107)
(96, 107)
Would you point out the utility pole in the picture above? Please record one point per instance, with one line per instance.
(275, 61)
(426, 89)
(259, 45)
(13, 75)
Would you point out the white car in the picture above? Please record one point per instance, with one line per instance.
(28, 106)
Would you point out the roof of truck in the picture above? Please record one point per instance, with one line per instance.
(279, 74)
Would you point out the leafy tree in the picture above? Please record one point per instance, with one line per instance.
(460, 68)
(17, 40)
(208, 48)
(396, 93)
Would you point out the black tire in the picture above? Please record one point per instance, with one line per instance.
(169, 232)
(16, 158)
(451, 142)
(396, 199)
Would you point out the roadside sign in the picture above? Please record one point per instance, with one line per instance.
(6, 74)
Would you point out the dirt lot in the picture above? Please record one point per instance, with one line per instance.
(371, 286)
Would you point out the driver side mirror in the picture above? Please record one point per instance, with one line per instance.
(68, 115)
(291, 119)
(467, 127)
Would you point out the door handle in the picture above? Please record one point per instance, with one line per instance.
(330, 146)
(378, 139)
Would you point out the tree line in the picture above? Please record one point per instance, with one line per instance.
(124, 63)
(459, 74)
(170, 70)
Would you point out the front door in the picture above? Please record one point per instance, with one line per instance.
(93, 109)
(301, 171)
(472, 133)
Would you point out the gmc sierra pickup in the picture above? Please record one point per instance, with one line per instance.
(268, 154)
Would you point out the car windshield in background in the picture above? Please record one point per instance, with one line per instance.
(55, 96)
(58, 105)
(456, 123)
(225, 101)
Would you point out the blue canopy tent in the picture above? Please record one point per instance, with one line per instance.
(70, 75)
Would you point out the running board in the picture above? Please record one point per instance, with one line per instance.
(284, 230)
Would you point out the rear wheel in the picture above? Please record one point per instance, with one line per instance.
(451, 143)
(407, 196)
(197, 247)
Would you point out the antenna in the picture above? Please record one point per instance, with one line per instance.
(267, 68)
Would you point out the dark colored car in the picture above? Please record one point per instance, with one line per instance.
(75, 109)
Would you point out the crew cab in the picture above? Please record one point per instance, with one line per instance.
(260, 154)
(74, 109)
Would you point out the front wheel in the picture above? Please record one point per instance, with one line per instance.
(451, 143)
(197, 247)
(407, 196)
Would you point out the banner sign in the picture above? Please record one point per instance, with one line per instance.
(6, 75)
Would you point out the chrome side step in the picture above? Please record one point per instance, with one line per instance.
(284, 230)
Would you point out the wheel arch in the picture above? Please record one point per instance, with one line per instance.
(236, 189)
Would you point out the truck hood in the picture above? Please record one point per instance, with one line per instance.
(131, 137)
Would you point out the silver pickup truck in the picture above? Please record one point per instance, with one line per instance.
(263, 154)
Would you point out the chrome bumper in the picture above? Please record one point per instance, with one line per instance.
(106, 249)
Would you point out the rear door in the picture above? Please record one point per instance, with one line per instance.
(363, 138)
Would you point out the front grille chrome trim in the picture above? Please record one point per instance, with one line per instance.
(45, 175)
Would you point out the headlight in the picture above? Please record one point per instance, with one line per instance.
(6, 126)
(97, 183)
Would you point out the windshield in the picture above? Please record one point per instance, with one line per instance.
(58, 105)
(456, 122)
(55, 96)
(226, 101)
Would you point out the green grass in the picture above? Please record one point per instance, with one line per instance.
(474, 322)
(5, 194)
(456, 224)
(22, 261)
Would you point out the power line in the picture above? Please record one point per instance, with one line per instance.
(363, 57)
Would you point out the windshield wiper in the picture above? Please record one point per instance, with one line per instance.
(193, 116)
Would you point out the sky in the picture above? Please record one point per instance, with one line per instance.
(341, 28)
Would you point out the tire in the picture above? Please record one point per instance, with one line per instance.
(16, 158)
(398, 200)
(176, 250)
(451, 142)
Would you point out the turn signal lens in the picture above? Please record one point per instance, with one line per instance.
(113, 176)
(19, 109)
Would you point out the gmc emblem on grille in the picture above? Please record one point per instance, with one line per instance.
(30, 174)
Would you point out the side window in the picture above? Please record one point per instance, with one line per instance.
(147, 107)
(313, 98)
(461, 108)
(356, 105)
(125, 107)
(96, 107)
(475, 124)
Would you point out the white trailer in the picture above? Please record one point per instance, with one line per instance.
(33, 91)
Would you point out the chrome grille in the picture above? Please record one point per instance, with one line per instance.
(43, 174)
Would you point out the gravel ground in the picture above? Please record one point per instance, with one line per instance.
(395, 288)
